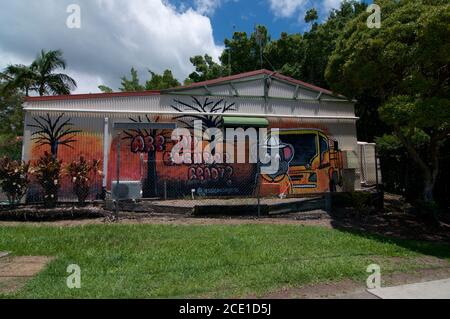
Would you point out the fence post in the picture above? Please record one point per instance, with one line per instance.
(118, 177)
(258, 173)
(376, 168)
(165, 190)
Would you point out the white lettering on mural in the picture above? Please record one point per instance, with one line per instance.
(211, 147)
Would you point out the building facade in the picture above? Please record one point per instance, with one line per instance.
(130, 133)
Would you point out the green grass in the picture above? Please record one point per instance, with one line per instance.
(142, 261)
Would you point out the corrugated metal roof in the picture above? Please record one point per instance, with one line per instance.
(253, 75)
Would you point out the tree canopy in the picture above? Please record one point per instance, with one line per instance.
(156, 82)
(405, 65)
(40, 76)
(303, 56)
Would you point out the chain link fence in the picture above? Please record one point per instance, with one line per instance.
(142, 169)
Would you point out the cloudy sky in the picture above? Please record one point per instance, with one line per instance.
(147, 34)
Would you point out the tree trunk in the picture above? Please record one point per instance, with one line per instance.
(152, 176)
(429, 170)
(428, 187)
(54, 149)
(41, 90)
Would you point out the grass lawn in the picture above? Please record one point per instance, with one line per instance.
(141, 261)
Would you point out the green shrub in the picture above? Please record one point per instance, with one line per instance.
(81, 173)
(361, 202)
(14, 179)
(48, 174)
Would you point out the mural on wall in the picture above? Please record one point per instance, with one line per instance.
(310, 161)
(208, 106)
(212, 176)
(53, 132)
(150, 142)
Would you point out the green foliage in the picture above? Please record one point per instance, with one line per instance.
(405, 68)
(388, 143)
(245, 51)
(48, 174)
(10, 146)
(81, 174)
(311, 15)
(133, 84)
(412, 113)
(40, 76)
(14, 179)
(205, 69)
(105, 89)
(408, 54)
(301, 56)
(161, 82)
(11, 111)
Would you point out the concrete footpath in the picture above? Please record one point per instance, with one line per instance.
(438, 289)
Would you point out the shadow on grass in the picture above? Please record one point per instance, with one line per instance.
(404, 230)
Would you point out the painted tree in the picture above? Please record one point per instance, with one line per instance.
(405, 66)
(53, 132)
(208, 107)
(149, 141)
(206, 110)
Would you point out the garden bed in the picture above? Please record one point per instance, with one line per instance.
(38, 213)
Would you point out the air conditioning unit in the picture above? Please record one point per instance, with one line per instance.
(369, 164)
(127, 190)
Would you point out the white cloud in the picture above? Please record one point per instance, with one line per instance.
(331, 4)
(207, 7)
(298, 8)
(114, 36)
(286, 8)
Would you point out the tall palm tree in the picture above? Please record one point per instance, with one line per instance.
(40, 76)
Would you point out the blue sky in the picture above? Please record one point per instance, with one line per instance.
(243, 15)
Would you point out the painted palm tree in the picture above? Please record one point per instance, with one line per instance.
(53, 132)
(40, 76)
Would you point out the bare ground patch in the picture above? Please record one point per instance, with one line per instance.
(175, 220)
(16, 271)
(428, 268)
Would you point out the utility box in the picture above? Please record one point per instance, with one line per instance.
(369, 166)
(127, 190)
(348, 180)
